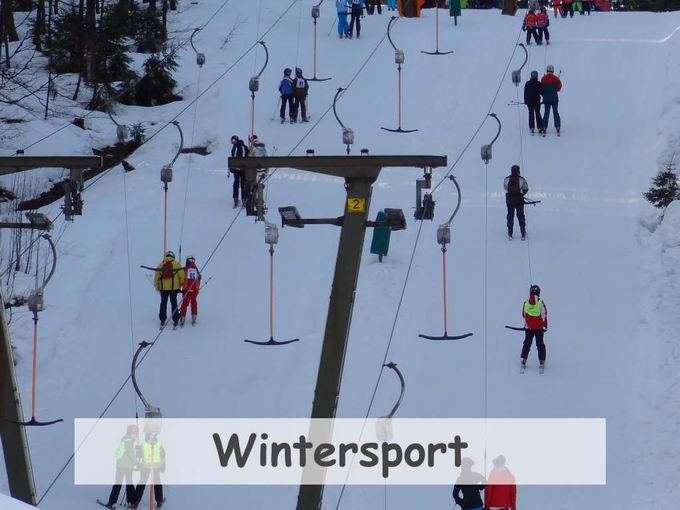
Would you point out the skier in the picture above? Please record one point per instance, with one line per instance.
(286, 90)
(515, 188)
(578, 7)
(557, 7)
(501, 491)
(372, 5)
(469, 484)
(542, 24)
(190, 289)
(551, 87)
(586, 6)
(238, 150)
(533, 90)
(343, 28)
(357, 12)
(300, 91)
(530, 27)
(153, 464)
(567, 8)
(168, 279)
(535, 316)
(126, 460)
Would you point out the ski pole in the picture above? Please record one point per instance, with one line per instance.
(333, 25)
(278, 103)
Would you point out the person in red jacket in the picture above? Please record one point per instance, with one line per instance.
(557, 7)
(190, 288)
(501, 491)
(542, 23)
(535, 315)
(531, 27)
(552, 85)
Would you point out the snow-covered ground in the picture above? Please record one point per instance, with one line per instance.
(611, 348)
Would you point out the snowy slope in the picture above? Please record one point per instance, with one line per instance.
(582, 247)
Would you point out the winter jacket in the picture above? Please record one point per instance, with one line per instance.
(286, 86)
(468, 496)
(530, 21)
(551, 86)
(192, 279)
(300, 87)
(240, 150)
(515, 188)
(533, 90)
(542, 20)
(126, 457)
(535, 314)
(500, 491)
(342, 7)
(169, 275)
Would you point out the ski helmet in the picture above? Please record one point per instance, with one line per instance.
(234, 139)
(535, 290)
(550, 68)
(190, 259)
(514, 170)
(298, 71)
(534, 75)
(170, 254)
(132, 429)
(287, 71)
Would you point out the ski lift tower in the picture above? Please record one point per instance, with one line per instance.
(359, 173)
(13, 435)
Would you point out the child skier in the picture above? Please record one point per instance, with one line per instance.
(343, 10)
(190, 289)
(300, 91)
(535, 316)
(542, 24)
(286, 91)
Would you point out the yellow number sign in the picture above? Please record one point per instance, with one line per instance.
(356, 205)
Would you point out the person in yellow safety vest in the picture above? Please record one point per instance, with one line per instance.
(126, 460)
(153, 464)
(535, 316)
(168, 281)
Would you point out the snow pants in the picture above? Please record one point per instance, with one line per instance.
(546, 115)
(535, 115)
(372, 5)
(586, 7)
(543, 33)
(533, 32)
(343, 27)
(567, 9)
(163, 313)
(239, 184)
(300, 105)
(515, 208)
(356, 19)
(190, 298)
(123, 475)
(391, 5)
(529, 336)
(287, 99)
(157, 486)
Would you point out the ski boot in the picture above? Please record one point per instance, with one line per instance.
(509, 236)
(293, 121)
(523, 366)
(162, 324)
(541, 368)
(283, 121)
(181, 322)
(235, 203)
(532, 131)
(174, 326)
(524, 237)
(194, 318)
(558, 131)
(305, 119)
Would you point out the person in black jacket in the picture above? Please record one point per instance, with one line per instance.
(533, 92)
(300, 91)
(515, 188)
(238, 150)
(357, 12)
(468, 488)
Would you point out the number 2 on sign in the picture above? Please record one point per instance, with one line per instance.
(356, 205)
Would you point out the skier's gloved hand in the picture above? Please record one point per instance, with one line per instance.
(545, 329)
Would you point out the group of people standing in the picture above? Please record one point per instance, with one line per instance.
(567, 7)
(536, 25)
(294, 91)
(544, 92)
(500, 490)
(354, 10)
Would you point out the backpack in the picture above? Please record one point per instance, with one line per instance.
(513, 185)
(167, 271)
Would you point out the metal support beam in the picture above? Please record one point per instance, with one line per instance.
(14, 444)
(359, 172)
(15, 164)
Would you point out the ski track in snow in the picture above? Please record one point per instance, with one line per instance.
(611, 346)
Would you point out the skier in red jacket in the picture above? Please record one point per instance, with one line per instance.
(501, 491)
(535, 315)
(190, 288)
(542, 24)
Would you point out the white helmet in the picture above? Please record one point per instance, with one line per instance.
(550, 68)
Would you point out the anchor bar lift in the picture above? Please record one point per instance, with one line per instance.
(359, 173)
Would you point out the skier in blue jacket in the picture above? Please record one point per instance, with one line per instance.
(286, 90)
(343, 11)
